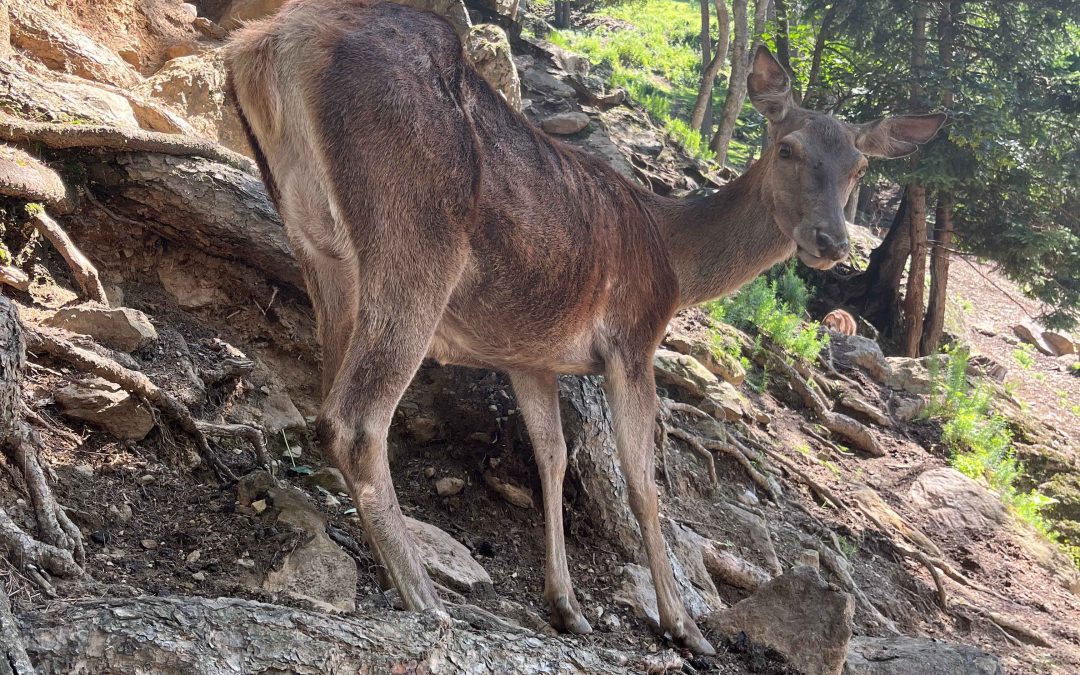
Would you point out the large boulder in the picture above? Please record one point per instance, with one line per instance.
(106, 405)
(488, 49)
(799, 615)
(194, 87)
(59, 45)
(916, 656)
(954, 502)
(120, 328)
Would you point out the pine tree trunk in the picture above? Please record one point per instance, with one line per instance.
(702, 113)
(813, 84)
(934, 324)
(881, 282)
(783, 44)
(736, 94)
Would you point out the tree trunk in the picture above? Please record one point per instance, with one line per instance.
(562, 14)
(783, 44)
(702, 114)
(913, 306)
(736, 94)
(934, 324)
(880, 287)
(219, 636)
(813, 84)
(761, 11)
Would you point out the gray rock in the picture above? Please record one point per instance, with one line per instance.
(720, 399)
(121, 328)
(954, 502)
(318, 570)
(329, 479)
(799, 615)
(447, 560)
(905, 408)
(254, 485)
(862, 352)
(637, 594)
(916, 656)
(106, 405)
(488, 50)
(716, 360)
(914, 375)
(1033, 335)
(565, 124)
(543, 82)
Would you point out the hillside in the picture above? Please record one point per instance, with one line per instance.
(165, 507)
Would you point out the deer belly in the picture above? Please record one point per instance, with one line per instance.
(502, 349)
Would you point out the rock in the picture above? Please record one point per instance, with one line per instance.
(199, 576)
(914, 375)
(424, 429)
(194, 87)
(258, 506)
(985, 366)
(120, 514)
(687, 547)
(209, 29)
(447, 560)
(797, 614)
(120, 328)
(329, 479)
(149, 544)
(954, 502)
(862, 352)
(449, 486)
(542, 82)
(1033, 335)
(26, 178)
(726, 403)
(253, 485)
(916, 656)
(96, 104)
(106, 405)
(637, 593)
(190, 9)
(187, 288)
(488, 49)
(1059, 343)
(279, 414)
(906, 408)
(716, 359)
(518, 496)
(565, 124)
(84, 470)
(318, 570)
(987, 329)
(59, 45)
(682, 371)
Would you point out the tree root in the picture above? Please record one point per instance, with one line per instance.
(1012, 628)
(86, 275)
(24, 550)
(732, 570)
(823, 493)
(14, 277)
(68, 136)
(835, 563)
(13, 658)
(835, 422)
(139, 384)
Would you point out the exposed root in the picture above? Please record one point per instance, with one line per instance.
(841, 569)
(86, 275)
(822, 492)
(13, 658)
(67, 136)
(25, 551)
(14, 277)
(55, 527)
(694, 443)
(139, 384)
(860, 405)
(837, 423)
(247, 432)
(1009, 626)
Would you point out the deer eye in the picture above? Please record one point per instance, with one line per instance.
(784, 151)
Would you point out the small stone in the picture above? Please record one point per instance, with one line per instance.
(565, 124)
(146, 479)
(292, 452)
(85, 470)
(246, 563)
(193, 557)
(190, 9)
(429, 472)
(329, 479)
(748, 498)
(100, 537)
(259, 505)
(106, 405)
(199, 576)
(449, 486)
(120, 514)
(611, 622)
(809, 557)
(252, 486)
(149, 544)
(331, 500)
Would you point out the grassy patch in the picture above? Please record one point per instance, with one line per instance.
(655, 55)
(773, 305)
(981, 444)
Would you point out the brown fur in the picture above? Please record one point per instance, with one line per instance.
(431, 219)
(840, 322)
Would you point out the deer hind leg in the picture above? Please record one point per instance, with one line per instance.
(538, 398)
(632, 396)
(390, 336)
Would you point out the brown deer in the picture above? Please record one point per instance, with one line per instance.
(840, 322)
(431, 219)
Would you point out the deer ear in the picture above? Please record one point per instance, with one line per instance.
(769, 86)
(897, 136)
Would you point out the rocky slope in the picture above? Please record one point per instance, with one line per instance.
(179, 336)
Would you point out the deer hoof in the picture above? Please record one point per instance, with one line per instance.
(566, 617)
(688, 636)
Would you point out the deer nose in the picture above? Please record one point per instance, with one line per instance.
(833, 248)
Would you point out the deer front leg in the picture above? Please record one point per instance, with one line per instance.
(538, 398)
(632, 396)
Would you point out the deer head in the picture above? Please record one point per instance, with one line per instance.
(814, 161)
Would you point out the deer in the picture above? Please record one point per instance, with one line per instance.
(433, 221)
(840, 322)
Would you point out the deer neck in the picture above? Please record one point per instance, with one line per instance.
(719, 242)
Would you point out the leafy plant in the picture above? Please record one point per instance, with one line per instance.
(1024, 355)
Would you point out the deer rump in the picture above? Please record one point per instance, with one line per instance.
(395, 165)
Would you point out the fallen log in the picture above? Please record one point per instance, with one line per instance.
(212, 636)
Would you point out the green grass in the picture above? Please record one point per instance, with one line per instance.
(1024, 355)
(981, 445)
(657, 60)
(773, 305)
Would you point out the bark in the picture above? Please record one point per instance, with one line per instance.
(702, 111)
(783, 43)
(761, 11)
(878, 294)
(913, 306)
(214, 208)
(203, 636)
(86, 275)
(13, 657)
(562, 14)
(813, 96)
(736, 94)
